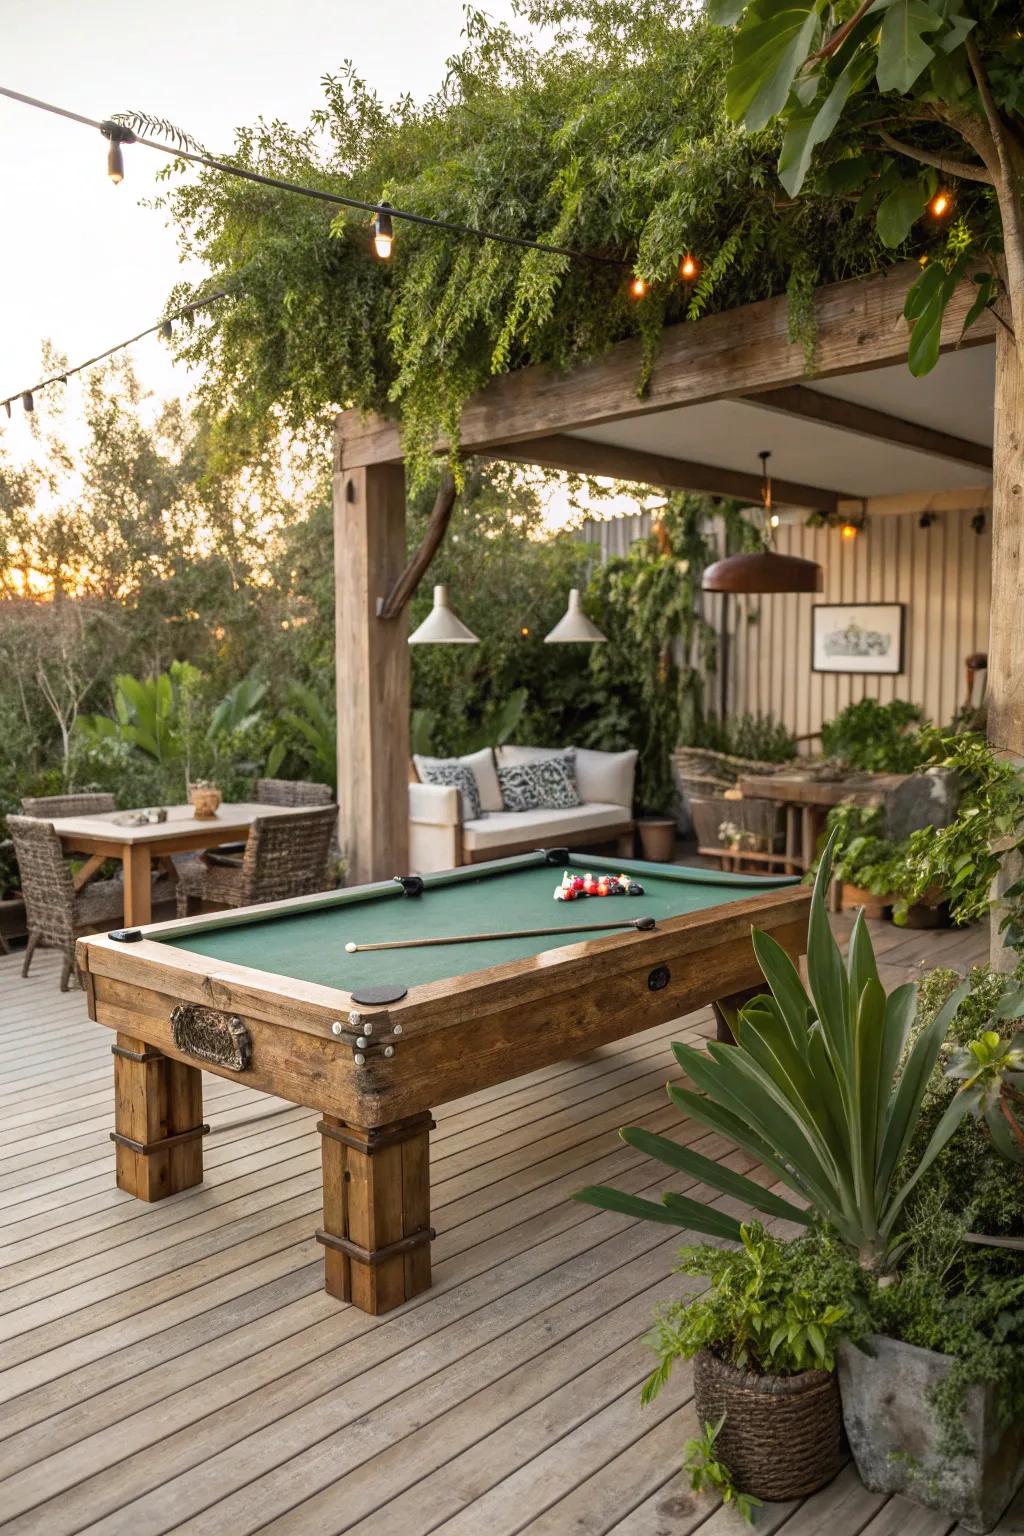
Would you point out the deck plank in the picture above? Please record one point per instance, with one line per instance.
(178, 1368)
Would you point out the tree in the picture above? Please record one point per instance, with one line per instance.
(898, 103)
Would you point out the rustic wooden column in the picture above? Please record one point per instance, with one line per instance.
(1006, 634)
(1006, 629)
(372, 659)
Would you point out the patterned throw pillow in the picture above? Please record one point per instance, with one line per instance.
(549, 785)
(450, 771)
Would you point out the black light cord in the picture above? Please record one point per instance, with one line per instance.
(318, 193)
(25, 395)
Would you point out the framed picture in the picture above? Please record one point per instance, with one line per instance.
(857, 637)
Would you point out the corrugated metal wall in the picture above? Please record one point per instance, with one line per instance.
(942, 574)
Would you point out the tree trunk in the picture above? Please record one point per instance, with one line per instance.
(1006, 634)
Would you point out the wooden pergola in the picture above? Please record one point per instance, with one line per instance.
(592, 421)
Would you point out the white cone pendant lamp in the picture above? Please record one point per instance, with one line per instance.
(574, 628)
(441, 626)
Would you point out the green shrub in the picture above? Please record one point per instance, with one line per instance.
(772, 1307)
(882, 738)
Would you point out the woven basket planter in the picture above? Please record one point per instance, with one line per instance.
(782, 1434)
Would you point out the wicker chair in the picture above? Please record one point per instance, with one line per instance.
(55, 911)
(284, 856)
(95, 803)
(301, 792)
(88, 803)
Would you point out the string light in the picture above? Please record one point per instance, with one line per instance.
(62, 378)
(383, 232)
(848, 532)
(116, 134)
(940, 204)
(978, 523)
(689, 268)
(638, 287)
(774, 520)
(525, 631)
(125, 135)
(927, 518)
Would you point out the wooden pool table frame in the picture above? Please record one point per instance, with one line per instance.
(375, 1073)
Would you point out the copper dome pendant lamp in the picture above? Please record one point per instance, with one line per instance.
(764, 570)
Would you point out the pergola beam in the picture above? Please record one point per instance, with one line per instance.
(970, 498)
(584, 456)
(858, 324)
(865, 421)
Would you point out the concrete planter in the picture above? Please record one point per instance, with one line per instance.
(894, 1436)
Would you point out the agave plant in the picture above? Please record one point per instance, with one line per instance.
(820, 1089)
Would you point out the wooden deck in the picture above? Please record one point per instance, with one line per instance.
(177, 1367)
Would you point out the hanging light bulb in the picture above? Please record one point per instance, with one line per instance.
(116, 134)
(27, 400)
(441, 626)
(638, 287)
(940, 204)
(383, 232)
(848, 532)
(689, 269)
(574, 628)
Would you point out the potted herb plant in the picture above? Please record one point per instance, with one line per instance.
(763, 1339)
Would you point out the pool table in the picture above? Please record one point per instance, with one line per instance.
(375, 1039)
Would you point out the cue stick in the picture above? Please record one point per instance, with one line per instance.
(642, 924)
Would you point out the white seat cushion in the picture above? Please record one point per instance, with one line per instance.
(538, 828)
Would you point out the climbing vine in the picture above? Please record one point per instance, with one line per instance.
(614, 140)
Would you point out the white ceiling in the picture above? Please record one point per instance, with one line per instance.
(956, 398)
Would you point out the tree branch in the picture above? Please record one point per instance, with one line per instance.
(437, 526)
(995, 122)
(831, 44)
(958, 168)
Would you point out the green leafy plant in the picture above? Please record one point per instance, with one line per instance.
(709, 1474)
(990, 1071)
(817, 1089)
(761, 738)
(497, 726)
(882, 738)
(986, 1192)
(307, 728)
(880, 100)
(772, 1307)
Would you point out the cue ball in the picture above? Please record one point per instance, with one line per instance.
(350, 949)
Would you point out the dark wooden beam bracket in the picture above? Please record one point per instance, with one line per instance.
(437, 526)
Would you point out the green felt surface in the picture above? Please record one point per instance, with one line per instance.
(310, 946)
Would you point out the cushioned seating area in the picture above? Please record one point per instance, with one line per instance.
(501, 828)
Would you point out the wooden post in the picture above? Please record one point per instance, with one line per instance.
(372, 659)
(376, 1232)
(158, 1113)
(1006, 634)
(1006, 629)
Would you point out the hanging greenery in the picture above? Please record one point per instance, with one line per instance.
(614, 141)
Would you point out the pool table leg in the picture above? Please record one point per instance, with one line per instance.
(158, 1113)
(732, 1005)
(376, 1232)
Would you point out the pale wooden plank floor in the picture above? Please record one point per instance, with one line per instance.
(177, 1368)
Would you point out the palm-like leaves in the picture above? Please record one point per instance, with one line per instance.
(819, 1088)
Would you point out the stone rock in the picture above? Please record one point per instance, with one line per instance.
(927, 799)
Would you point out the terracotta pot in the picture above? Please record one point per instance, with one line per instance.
(205, 799)
(657, 838)
(853, 896)
(781, 1438)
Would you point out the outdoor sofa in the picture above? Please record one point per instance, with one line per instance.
(442, 835)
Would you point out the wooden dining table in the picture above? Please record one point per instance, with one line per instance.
(139, 848)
